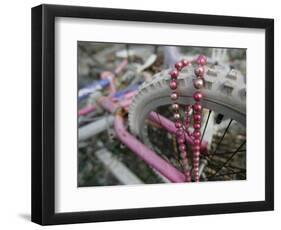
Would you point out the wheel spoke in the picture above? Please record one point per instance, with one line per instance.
(225, 131)
(229, 159)
(206, 124)
(231, 173)
(175, 152)
(226, 153)
(158, 117)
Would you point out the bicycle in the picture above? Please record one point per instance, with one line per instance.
(150, 119)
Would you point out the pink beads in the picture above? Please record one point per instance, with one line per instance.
(197, 96)
(179, 66)
(180, 132)
(196, 154)
(182, 147)
(201, 60)
(197, 107)
(178, 124)
(196, 148)
(199, 71)
(196, 160)
(181, 140)
(190, 111)
(185, 62)
(174, 74)
(196, 142)
(196, 125)
(197, 117)
(198, 84)
(173, 84)
(196, 134)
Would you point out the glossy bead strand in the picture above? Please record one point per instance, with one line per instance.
(198, 84)
(180, 133)
(191, 112)
(188, 113)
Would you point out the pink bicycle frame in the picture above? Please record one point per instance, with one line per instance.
(141, 150)
(146, 154)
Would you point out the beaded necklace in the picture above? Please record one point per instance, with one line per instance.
(193, 112)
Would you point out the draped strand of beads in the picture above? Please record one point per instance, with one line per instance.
(188, 112)
(180, 132)
(195, 110)
(198, 84)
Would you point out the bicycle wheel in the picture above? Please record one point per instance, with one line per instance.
(224, 101)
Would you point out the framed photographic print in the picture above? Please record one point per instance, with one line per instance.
(142, 114)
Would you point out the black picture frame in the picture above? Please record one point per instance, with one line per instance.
(43, 113)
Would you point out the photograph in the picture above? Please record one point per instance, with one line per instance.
(140, 114)
(152, 114)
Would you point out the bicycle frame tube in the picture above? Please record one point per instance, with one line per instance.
(103, 83)
(123, 97)
(86, 91)
(88, 109)
(170, 127)
(140, 149)
(146, 154)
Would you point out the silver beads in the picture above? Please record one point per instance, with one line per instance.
(198, 83)
(175, 107)
(177, 116)
(174, 96)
